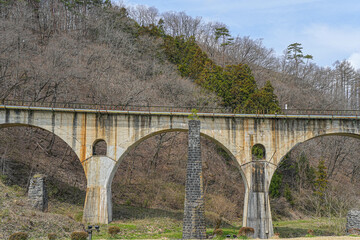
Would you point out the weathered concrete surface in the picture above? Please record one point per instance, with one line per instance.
(122, 131)
(257, 212)
(194, 211)
(37, 192)
(98, 206)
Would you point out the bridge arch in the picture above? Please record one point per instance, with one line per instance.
(286, 148)
(136, 143)
(336, 182)
(60, 133)
(57, 174)
(155, 133)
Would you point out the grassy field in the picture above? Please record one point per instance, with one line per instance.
(319, 227)
(134, 222)
(171, 228)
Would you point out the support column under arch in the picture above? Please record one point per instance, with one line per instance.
(194, 211)
(98, 206)
(257, 213)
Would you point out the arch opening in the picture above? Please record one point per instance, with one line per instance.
(99, 148)
(318, 178)
(258, 152)
(28, 150)
(158, 162)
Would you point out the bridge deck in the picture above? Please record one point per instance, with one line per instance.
(154, 110)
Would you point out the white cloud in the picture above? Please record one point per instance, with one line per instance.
(354, 59)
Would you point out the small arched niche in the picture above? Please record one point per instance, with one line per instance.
(258, 152)
(99, 148)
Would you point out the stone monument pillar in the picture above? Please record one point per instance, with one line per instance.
(37, 192)
(353, 222)
(194, 218)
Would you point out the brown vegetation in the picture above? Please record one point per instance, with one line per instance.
(78, 235)
(113, 230)
(17, 215)
(246, 231)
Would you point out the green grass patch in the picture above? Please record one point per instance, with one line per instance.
(319, 226)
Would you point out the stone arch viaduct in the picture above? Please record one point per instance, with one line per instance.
(123, 130)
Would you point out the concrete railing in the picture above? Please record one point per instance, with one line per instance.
(172, 109)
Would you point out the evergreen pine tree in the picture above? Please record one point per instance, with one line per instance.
(321, 179)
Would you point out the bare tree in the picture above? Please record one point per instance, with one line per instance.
(144, 15)
(181, 24)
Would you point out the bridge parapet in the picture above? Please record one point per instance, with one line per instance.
(107, 108)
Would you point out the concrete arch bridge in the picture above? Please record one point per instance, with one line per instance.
(122, 130)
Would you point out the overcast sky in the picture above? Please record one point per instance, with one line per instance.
(327, 29)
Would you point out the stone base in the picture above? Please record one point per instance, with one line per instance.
(353, 222)
(37, 192)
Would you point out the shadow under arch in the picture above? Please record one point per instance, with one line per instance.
(213, 140)
(80, 184)
(298, 232)
(341, 134)
(11, 125)
(133, 146)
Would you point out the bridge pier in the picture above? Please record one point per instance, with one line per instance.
(98, 206)
(257, 213)
(194, 211)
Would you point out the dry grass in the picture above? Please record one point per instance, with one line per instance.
(17, 215)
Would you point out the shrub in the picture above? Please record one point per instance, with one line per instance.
(218, 232)
(52, 236)
(18, 236)
(246, 231)
(78, 235)
(310, 232)
(113, 230)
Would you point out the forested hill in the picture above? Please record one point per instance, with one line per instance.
(99, 53)
(63, 51)
(48, 46)
(94, 52)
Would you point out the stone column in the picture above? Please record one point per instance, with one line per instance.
(194, 218)
(257, 214)
(98, 206)
(353, 222)
(37, 192)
